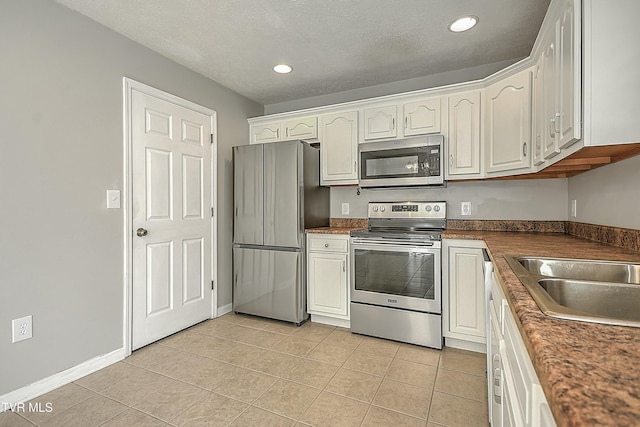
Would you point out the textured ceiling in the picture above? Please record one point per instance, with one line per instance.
(332, 45)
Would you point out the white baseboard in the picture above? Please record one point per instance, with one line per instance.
(465, 345)
(48, 384)
(225, 309)
(332, 321)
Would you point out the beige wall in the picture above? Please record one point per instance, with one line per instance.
(541, 199)
(61, 250)
(609, 195)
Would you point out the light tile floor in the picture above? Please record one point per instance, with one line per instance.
(246, 371)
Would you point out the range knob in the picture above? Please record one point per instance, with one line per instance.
(382, 208)
(428, 208)
(375, 208)
(436, 208)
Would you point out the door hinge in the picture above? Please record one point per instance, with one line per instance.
(212, 211)
(213, 284)
(211, 138)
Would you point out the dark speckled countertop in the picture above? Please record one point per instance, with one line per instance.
(340, 226)
(590, 373)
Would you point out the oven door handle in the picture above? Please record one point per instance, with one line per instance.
(383, 242)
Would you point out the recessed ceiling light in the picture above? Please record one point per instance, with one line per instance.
(282, 69)
(463, 24)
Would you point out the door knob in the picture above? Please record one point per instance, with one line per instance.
(141, 232)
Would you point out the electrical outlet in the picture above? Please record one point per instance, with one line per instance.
(22, 328)
(345, 209)
(574, 208)
(465, 208)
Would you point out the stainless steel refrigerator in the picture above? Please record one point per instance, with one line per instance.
(276, 196)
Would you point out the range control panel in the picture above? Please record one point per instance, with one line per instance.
(408, 210)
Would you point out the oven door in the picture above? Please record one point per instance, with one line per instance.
(397, 275)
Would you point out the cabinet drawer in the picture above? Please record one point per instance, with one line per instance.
(518, 366)
(328, 244)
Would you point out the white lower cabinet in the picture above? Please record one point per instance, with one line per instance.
(515, 395)
(328, 278)
(464, 301)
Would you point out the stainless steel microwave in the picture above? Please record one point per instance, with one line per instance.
(402, 163)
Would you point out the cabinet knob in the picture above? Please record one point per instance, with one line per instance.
(326, 245)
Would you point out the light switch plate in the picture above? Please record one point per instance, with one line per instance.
(113, 199)
(345, 209)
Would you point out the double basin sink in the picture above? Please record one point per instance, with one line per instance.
(587, 290)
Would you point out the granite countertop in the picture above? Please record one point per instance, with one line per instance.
(340, 226)
(590, 373)
(332, 230)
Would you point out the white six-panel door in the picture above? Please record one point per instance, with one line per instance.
(171, 217)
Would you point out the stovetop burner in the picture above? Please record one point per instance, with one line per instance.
(409, 221)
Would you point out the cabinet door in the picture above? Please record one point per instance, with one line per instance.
(380, 122)
(305, 128)
(422, 117)
(539, 122)
(339, 148)
(261, 134)
(464, 133)
(327, 283)
(508, 123)
(466, 292)
(550, 141)
(569, 76)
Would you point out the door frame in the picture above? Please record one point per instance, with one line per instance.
(128, 86)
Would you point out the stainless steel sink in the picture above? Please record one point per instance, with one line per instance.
(601, 271)
(586, 290)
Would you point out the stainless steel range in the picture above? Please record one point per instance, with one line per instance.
(396, 284)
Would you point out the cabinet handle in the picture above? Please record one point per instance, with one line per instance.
(344, 266)
(405, 122)
(556, 123)
(524, 149)
(451, 160)
(393, 123)
(286, 131)
(277, 133)
(355, 166)
(497, 378)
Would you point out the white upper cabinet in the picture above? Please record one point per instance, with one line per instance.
(422, 117)
(305, 128)
(557, 87)
(339, 148)
(568, 40)
(549, 101)
(380, 122)
(464, 134)
(507, 123)
(539, 125)
(261, 134)
(418, 118)
(298, 128)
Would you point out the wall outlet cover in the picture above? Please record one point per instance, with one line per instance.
(345, 209)
(465, 208)
(22, 328)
